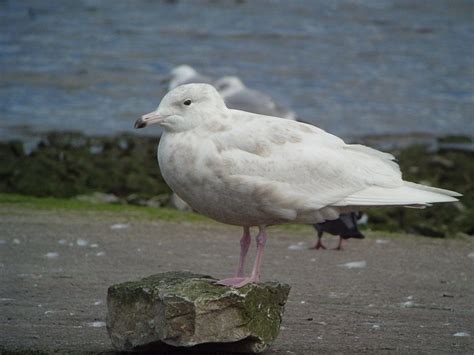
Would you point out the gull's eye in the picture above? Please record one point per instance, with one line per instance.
(187, 102)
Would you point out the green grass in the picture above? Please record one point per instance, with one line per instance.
(131, 211)
(147, 213)
(59, 204)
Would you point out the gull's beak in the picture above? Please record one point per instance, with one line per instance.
(149, 118)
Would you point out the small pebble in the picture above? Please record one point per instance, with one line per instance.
(407, 304)
(52, 255)
(119, 226)
(62, 241)
(297, 247)
(96, 324)
(461, 334)
(100, 253)
(82, 242)
(16, 241)
(354, 265)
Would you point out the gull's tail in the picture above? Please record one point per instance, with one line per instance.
(410, 194)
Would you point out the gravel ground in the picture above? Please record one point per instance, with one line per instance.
(403, 294)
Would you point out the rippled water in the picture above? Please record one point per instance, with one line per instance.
(352, 67)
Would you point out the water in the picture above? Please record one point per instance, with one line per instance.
(354, 68)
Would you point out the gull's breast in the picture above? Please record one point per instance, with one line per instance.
(195, 172)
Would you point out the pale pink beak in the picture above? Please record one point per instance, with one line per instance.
(149, 118)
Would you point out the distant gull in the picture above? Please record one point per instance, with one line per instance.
(239, 97)
(234, 92)
(345, 227)
(249, 170)
(185, 74)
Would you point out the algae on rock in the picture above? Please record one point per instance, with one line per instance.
(185, 309)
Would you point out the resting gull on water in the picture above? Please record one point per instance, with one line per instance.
(249, 170)
(185, 74)
(237, 96)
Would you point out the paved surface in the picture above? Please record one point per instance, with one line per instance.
(413, 295)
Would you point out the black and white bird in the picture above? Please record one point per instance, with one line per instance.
(345, 227)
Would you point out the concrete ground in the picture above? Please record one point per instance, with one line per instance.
(408, 294)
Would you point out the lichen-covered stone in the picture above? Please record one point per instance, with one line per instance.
(185, 309)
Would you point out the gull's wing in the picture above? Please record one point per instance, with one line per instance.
(296, 168)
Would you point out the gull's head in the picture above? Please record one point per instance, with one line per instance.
(180, 75)
(228, 85)
(183, 71)
(184, 108)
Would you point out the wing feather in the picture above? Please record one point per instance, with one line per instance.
(294, 168)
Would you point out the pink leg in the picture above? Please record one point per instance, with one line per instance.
(244, 248)
(255, 277)
(339, 246)
(319, 244)
(261, 241)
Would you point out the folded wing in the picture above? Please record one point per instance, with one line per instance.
(297, 168)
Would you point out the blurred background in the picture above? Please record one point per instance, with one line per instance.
(76, 74)
(355, 68)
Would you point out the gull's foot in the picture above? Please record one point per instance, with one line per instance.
(338, 248)
(236, 282)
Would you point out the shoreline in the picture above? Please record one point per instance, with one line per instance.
(123, 170)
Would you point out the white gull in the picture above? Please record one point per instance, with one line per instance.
(251, 170)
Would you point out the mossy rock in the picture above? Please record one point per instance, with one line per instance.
(182, 309)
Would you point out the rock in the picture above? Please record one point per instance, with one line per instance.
(441, 161)
(159, 200)
(99, 197)
(182, 309)
(428, 230)
(155, 201)
(136, 199)
(178, 203)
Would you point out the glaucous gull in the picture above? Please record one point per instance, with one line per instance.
(248, 170)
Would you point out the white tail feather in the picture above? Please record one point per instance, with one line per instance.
(406, 195)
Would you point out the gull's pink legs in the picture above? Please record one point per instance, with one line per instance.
(244, 248)
(255, 277)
